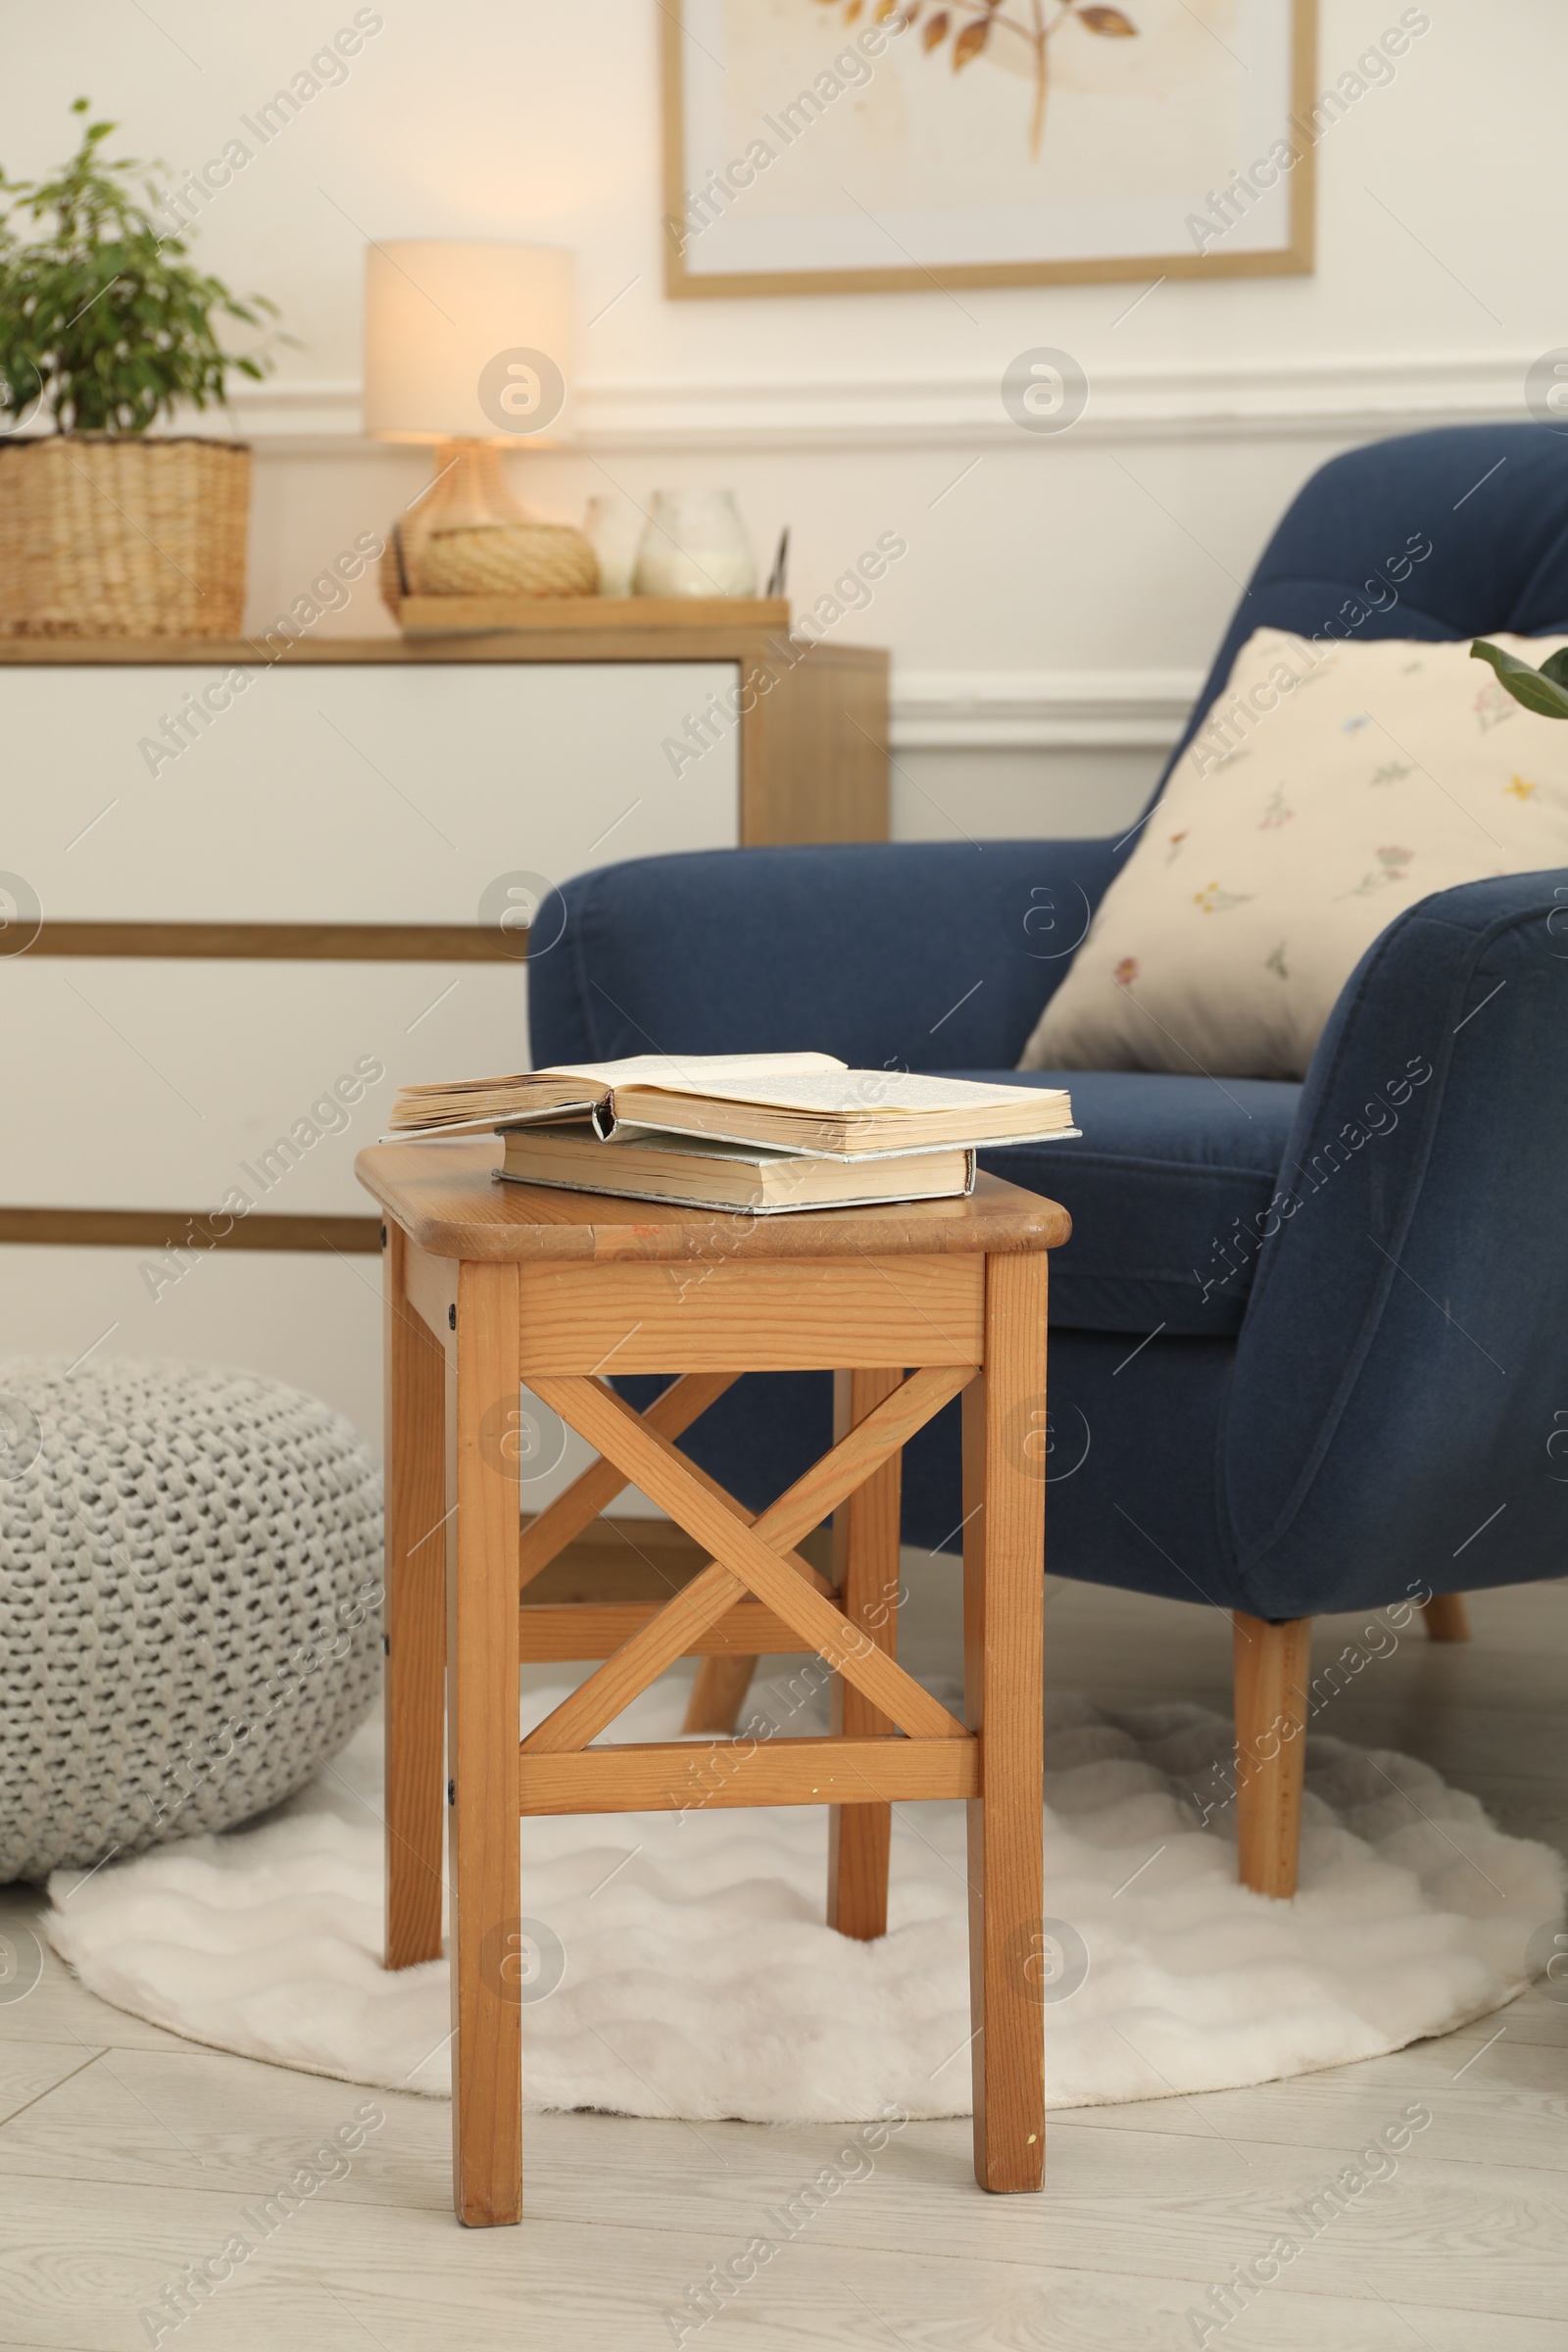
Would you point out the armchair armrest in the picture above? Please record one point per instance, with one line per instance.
(935, 955)
(1405, 1345)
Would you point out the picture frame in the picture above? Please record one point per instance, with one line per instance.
(735, 225)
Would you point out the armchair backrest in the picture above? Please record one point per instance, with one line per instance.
(925, 954)
(1451, 533)
(941, 955)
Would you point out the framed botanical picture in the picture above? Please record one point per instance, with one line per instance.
(819, 146)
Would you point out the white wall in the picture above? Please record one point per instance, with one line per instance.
(1057, 604)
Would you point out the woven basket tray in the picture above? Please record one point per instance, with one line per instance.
(508, 559)
(115, 535)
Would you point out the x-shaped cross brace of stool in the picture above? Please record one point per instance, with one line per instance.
(748, 1557)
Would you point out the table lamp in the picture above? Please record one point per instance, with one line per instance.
(467, 344)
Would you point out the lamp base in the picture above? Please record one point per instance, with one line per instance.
(465, 493)
(465, 535)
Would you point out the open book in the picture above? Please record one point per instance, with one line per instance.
(805, 1103)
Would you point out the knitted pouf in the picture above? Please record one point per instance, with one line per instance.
(190, 1586)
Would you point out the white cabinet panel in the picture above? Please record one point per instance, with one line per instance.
(143, 1084)
(354, 792)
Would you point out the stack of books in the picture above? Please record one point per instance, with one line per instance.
(763, 1132)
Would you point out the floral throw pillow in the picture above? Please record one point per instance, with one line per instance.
(1331, 786)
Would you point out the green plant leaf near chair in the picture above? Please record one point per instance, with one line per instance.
(1543, 691)
(106, 329)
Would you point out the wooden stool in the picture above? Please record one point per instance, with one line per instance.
(490, 1285)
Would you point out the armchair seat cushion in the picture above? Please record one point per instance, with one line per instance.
(1169, 1192)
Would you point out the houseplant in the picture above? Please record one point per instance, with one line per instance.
(106, 530)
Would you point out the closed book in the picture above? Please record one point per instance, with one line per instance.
(710, 1173)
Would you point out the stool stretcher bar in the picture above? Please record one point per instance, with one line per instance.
(597, 1629)
(665, 1777)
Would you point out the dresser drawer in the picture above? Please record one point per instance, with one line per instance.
(145, 1084)
(354, 792)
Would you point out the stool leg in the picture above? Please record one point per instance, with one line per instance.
(415, 1606)
(718, 1693)
(1003, 1606)
(1447, 1618)
(1273, 1665)
(866, 1543)
(482, 1745)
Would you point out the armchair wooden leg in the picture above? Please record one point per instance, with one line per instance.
(1273, 1663)
(1447, 1618)
(718, 1692)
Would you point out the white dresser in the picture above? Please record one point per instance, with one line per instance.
(219, 972)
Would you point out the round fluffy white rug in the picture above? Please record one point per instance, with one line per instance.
(685, 1968)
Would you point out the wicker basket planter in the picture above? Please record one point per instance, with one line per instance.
(117, 535)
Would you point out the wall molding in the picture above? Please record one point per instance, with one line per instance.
(1041, 709)
(1350, 398)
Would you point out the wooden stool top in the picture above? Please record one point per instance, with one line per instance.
(447, 1199)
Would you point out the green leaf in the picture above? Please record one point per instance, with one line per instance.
(1532, 687)
(1555, 668)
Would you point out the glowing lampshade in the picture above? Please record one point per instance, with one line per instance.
(466, 340)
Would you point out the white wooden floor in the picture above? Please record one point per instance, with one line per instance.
(127, 2155)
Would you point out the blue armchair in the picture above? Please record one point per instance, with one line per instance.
(1309, 1341)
